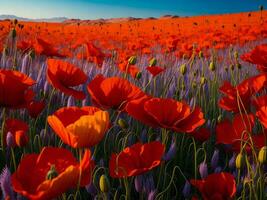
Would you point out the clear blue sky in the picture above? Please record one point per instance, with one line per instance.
(92, 9)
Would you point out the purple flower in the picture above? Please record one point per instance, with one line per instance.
(187, 189)
(5, 183)
(152, 195)
(171, 152)
(138, 183)
(203, 170)
(232, 162)
(215, 159)
(10, 140)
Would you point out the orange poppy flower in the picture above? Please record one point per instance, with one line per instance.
(80, 127)
(166, 113)
(124, 66)
(257, 56)
(52, 172)
(43, 47)
(19, 131)
(15, 89)
(136, 160)
(112, 92)
(63, 75)
(216, 186)
(262, 115)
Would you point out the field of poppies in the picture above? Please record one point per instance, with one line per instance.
(171, 108)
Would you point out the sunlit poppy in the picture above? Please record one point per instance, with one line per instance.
(80, 127)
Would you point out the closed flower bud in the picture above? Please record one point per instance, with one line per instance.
(215, 159)
(32, 54)
(261, 7)
(10, 140)
(183, 69)
(232, 67)
(200, 54)
(187, 189)
(104, 184)
(52, 173)
(238, 66)
(203, 170)
(15, 21)
(194, 84)
(203, 80)
(123, 124)
(220, 118)
(138, 183)
(212, 66)
(132, 60)
(226, 68)
(153, 62)
(138, 75)
(240, 160)
(231, 163)
(262, 157)
(236, 55)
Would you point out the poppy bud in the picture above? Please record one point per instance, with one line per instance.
(13, 33)
(52, 173)
(203, 170)
(220, 118)
(122, 123)
(15, 21)
(262, 157)
(152, 62)
(132, 60)
(226, 68)
(104, 184)
(240, 160)
(236, 55)
(238, 66)
(261, 7)
(138, 75)
(212, 66)
(10, 140)
(187, 189)
(232, 67)
(183, 69)
(32, 54)
(200, 54)
(203, 80)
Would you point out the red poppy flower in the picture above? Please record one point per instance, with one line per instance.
(154, 70)
(63, 75)
(239, 97)
(52, 172)
(257, 56)
(262, 115)
(43, 47)
(232, 133)
(15, 89)
(19, 131)
(35, 108)
(80, 127)
(220, 186)
(112, 92)
(94, 54)
(136, 160)
(124, 66)
(166, 113)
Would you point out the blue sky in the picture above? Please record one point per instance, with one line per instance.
(92, 9)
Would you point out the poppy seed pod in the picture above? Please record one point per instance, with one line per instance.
(238, 66)
(132, 60)
(262, 157)
(104, 183)
(240, 160)
(183, 69)
(232, 67)
(32, 54)
(152, 62)
(13, 33)
(236, 55)
(52, 173)
(138, 75)
(203, 80)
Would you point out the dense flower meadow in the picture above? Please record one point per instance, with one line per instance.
(151, 109)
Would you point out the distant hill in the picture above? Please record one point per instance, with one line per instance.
(54, 19)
